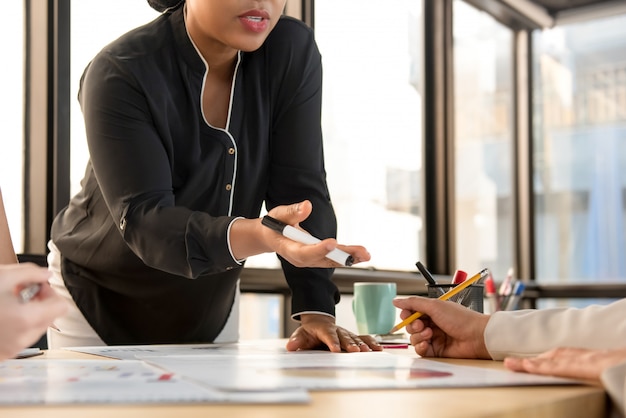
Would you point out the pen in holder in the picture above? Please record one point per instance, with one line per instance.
(472, 297)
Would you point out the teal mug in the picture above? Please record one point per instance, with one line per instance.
(373, 308)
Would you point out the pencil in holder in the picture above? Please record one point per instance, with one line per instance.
(472, 297)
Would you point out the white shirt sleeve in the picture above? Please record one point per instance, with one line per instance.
(614, 381)
(530, 332)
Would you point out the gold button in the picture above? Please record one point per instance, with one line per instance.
(123, 224)
(228, 187)
(231, 151)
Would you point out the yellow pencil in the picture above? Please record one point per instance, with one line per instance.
(454, 291)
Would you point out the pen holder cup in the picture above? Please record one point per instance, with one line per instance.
(471, 297)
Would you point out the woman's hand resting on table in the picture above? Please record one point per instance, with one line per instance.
(320, 330)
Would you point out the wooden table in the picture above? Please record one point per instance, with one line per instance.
(510, 402)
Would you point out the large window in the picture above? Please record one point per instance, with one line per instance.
(580, 152)
(12, 118)
(372, 127)
(372, 124)
(483, 143)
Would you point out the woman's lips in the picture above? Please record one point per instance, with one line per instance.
(255, 20)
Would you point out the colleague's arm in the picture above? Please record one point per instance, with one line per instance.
(614, 381)
(607, 366)
(296, 171)
(23, 323)
(450, 330)
(578, 363)
(296, 174)
(531, 332)
(446, 329)
(7, 252)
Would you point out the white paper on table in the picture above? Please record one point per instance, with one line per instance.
(106, 381)
(258, 365)
(321, 370)
(131, 352)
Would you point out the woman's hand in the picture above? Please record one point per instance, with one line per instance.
(249, 237)
(577, 363)
(319, 330)
(446, 329)
(307, 255)
(22, 324)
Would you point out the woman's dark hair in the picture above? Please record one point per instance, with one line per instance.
(165, 5)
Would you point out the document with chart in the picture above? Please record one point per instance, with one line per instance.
(256, 365)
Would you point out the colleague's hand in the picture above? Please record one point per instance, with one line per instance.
(578, 363)
(22, 324)
(249, 237)
(307, 255)
(318, 331)
(446, 329)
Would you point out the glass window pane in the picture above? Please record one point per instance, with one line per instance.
(580, 151)
(261, 316)
(12, 118)
(574, 303)
(483, 142)
(372, 124)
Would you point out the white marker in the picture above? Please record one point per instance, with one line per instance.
(338, 256)
(27, 293)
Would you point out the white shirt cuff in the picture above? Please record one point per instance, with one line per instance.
(230, 249)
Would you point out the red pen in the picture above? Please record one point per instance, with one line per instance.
(459, 277)
(490, 294)
(389, 345)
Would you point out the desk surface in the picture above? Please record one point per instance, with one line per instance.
(510, 402)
